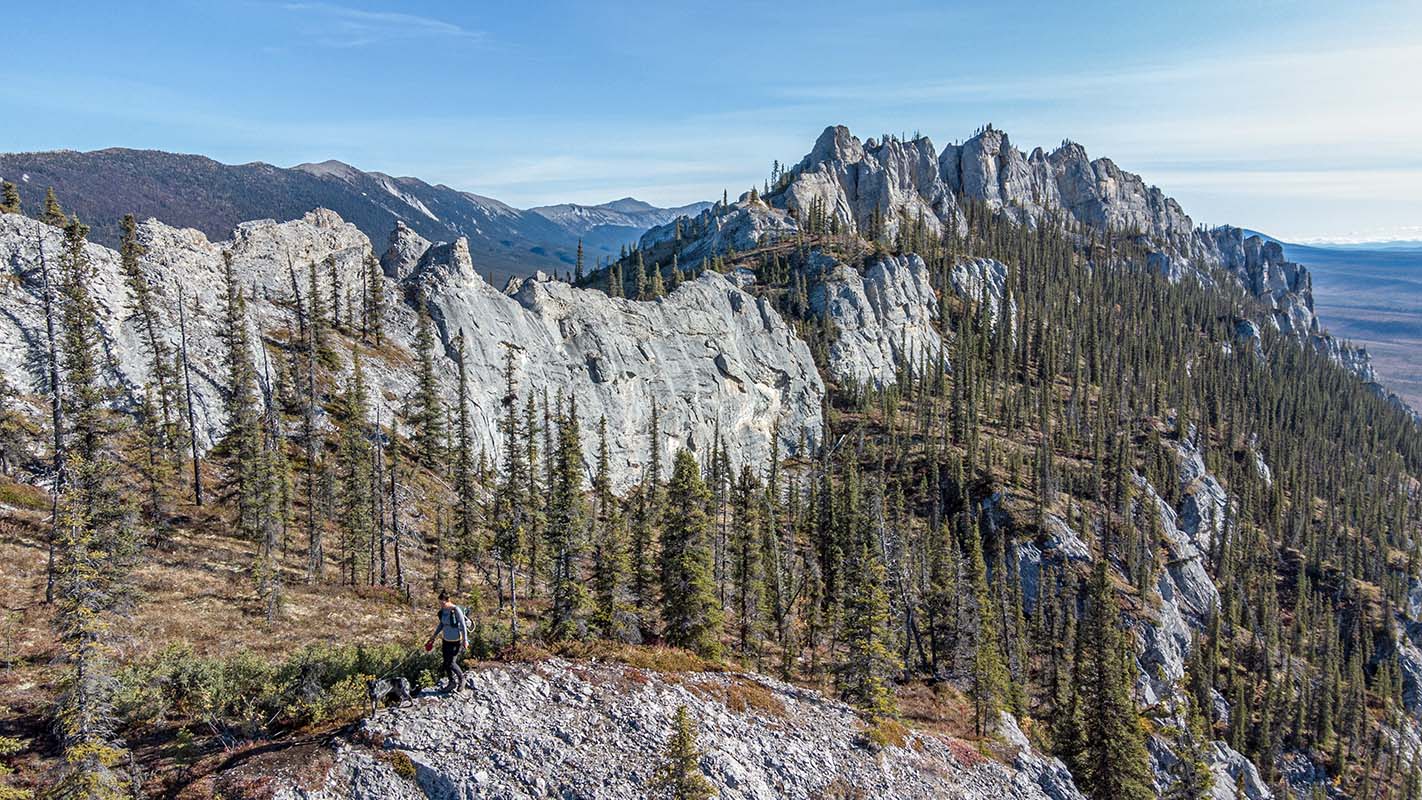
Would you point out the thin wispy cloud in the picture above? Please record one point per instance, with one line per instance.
(344, 26)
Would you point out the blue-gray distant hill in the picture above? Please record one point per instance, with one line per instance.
(197, 192)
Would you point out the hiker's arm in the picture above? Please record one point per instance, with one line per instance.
(439, 626)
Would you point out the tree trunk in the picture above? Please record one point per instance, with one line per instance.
(57, 417)
(188, 390)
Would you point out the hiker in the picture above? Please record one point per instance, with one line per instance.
(453, 633)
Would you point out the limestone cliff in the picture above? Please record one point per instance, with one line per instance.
(710, 357)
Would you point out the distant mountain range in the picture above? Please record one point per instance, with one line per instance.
(197, 192)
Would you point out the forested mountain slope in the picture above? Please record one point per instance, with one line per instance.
(190, 191)
(946, 434)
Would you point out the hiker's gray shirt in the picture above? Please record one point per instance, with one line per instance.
(448, 629)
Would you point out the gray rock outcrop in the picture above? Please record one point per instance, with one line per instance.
(984, 281)
(852, 182)
(719, 230)
(403, 251)
(884, 318)
(597, 730)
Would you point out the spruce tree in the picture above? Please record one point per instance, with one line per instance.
(691, 615)
(866, 674)
(273, 483)
(510, 505)
(466, 501)
(158, 418)
(96, 545)
(51, 286)
(567, 515)
(1112, 762)
(374, 306)
(641, 268)
(989, 674)
(746, 562)
(644, 535)
(315, 446)
(942, 598)
(679, 777)
(241, 443)
(353, 473)
(426, 411)
(184, 368)
(9, 198)
(53, 213)
(609, 556)
(1192, 774)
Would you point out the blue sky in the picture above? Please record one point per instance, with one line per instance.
(1303, 120)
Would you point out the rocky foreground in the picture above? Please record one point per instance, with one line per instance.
(595, 730)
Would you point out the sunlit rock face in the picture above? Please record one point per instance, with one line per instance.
(710, 358)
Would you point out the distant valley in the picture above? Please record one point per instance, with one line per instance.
(1372, 296)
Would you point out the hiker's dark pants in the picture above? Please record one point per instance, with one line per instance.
(450, 652)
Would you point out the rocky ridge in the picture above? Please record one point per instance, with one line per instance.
(897, 182)
(596, 731)
(711, 357)
(191, 191)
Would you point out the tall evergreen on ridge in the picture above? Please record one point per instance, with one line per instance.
(746, 562)
(53, 213)
(510, 502)
(426, 408)
(691, 614)
(466, 501)
(373, 306)
(679, 777)
(9, 198)
(274, 498)
(1111, 758)
(866, 675)
(51, 286)
(567, 519)
(96, 544)
(354, 473)
(315, 445)
(609, 555)
(241, 443)
(989, 673)
(644, 521)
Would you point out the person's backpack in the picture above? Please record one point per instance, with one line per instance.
(458, 619)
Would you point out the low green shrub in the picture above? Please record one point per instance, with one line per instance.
(401, 763)
(246, 695)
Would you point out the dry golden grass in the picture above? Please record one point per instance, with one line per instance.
(939, 708)
(193, 588)
(746, 694)
(887, 732)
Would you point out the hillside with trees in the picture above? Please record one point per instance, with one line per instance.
(1102, 493)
